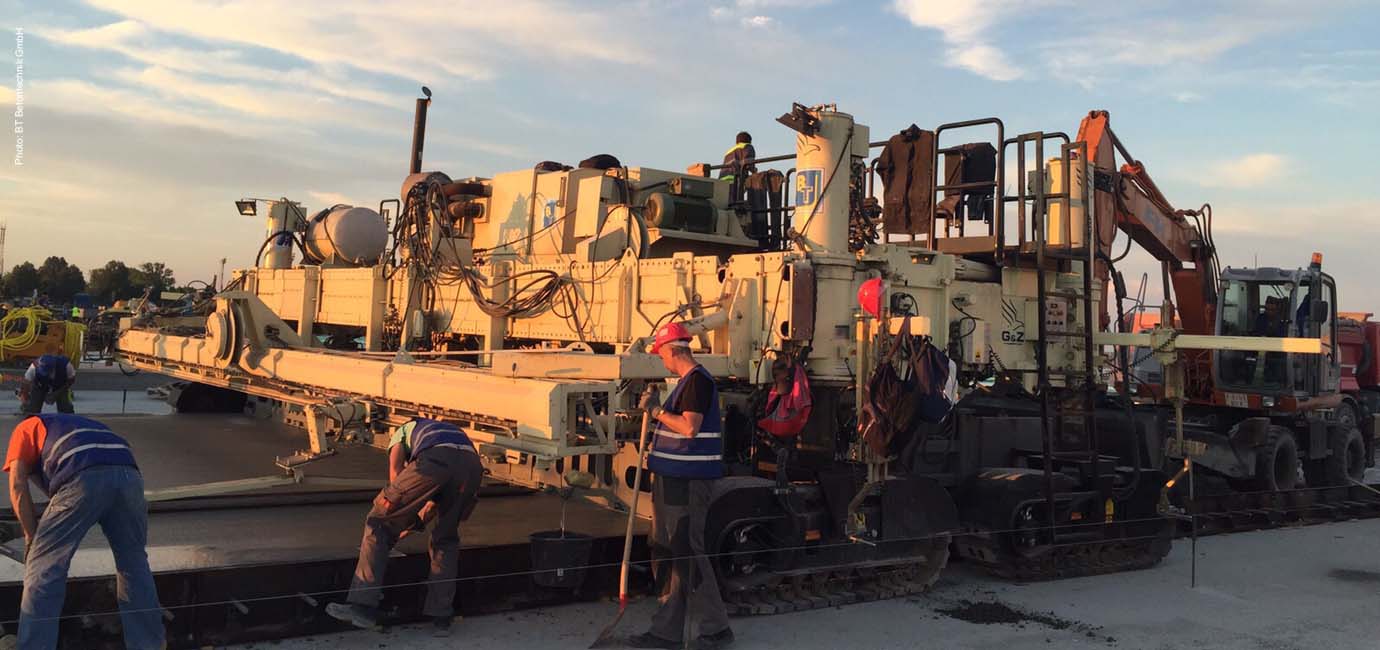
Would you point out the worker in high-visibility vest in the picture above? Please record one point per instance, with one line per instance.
(685, 459)
(90, 477)
(738, 165)
(49, 380)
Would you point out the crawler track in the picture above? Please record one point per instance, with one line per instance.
(826, 588)
(1066, 560)
(1243, 511)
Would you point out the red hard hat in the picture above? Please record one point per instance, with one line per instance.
(668, 333)
(870, 297)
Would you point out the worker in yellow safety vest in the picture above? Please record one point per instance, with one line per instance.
(738, 165)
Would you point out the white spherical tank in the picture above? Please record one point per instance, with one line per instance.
(346, 235)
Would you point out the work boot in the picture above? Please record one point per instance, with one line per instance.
(720, 639)
(649, 640)
(440, 626)
(356, 615)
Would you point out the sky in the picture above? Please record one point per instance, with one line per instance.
(145, 119)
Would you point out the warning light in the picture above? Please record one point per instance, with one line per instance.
(1317, 259)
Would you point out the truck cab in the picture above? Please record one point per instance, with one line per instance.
(1273, 302)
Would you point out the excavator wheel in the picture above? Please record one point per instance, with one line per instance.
(1276, 461)
(1346, 460)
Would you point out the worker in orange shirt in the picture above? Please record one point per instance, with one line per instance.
(90, 477)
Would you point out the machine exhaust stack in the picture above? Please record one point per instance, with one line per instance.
(419, 131)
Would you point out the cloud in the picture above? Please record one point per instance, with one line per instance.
(966, 26)
(82, 96)
(1249, 171)
(987, 61)
(327, 199)
(135, 41)
(265, 103)
(781, 4)
(1155, 44)
(1345, 80)
(756, 14)
(431, 37)
(1187, 97)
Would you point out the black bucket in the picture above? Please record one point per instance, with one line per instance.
(559, 559)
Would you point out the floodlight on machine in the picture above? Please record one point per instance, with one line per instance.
(247, 207)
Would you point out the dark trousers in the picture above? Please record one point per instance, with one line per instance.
(691, 590)
(38, 395)
(447, 475)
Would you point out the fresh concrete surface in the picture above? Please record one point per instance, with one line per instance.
(1288, 589)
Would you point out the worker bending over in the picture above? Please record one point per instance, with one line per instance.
(433, 473)
(48, 379)
(91, 478)
(685, 458)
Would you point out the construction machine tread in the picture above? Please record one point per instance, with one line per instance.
(1243, 511)
(1067, 561)
(835, 587)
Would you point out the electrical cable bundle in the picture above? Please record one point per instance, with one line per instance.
(532, 292)
(19, 330)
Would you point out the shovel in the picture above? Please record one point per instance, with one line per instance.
(606, 637)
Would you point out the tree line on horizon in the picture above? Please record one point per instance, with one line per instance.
(59, 280)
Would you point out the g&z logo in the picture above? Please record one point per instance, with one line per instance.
(1015, 327)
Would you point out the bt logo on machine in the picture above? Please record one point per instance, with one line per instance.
(548, 214)
(807, 186)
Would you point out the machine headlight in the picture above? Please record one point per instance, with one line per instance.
(1268, 402)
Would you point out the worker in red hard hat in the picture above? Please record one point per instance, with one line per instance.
(685, 458)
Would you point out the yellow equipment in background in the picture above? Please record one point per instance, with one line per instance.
(31, 332)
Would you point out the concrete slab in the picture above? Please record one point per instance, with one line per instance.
(1285, 589)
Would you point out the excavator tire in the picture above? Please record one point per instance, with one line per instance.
(1345, 462)
(1276, 461)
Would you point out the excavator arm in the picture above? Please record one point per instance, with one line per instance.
(1147, 217)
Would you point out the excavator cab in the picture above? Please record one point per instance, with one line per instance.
(1277, 303)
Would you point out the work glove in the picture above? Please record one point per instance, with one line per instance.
(649, 398)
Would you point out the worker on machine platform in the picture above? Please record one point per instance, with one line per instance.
(91, 478)
(49, 379)
(433, 474)
(686, 457)
(738, 164)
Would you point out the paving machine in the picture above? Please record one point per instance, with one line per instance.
(520, 305)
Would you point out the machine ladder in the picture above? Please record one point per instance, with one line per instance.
(1068, 394)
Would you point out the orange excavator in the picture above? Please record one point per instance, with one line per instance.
(1255, 415)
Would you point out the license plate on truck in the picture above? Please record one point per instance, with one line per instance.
(1238, 400)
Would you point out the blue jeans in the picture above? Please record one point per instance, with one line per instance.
(112, 496)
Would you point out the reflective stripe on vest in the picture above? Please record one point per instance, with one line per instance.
(732, 164)
(429, 433)
(698, 457)
(74, 443)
